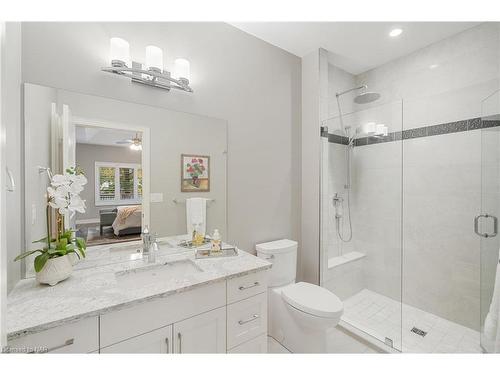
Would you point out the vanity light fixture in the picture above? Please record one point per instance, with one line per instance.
(153, 73)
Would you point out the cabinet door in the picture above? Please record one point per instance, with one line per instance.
(204, 333)
(157, 341)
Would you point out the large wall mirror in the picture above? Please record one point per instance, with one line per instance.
(141, 164)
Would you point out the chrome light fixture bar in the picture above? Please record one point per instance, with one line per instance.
(154, 75)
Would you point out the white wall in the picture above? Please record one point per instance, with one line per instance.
(237, 77)
(3, 234)
(11, 107)
(309, 255)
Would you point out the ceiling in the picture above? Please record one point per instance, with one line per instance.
(102, 136)
(354, 46)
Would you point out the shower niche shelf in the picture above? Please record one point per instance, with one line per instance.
(345, 258)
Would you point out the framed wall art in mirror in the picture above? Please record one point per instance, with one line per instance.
(195, 171)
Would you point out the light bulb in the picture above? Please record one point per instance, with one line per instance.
(119, 52)
(395, 32)
(182, 69)
(136, 147)
(154, 58)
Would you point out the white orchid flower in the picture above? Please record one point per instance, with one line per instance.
(79, 179)
(75, 189)
(64, 193)
(59, 179)
(77, 204)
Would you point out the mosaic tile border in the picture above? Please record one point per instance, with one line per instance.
(425, 131)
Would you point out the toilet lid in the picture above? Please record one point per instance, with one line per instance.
(313, 299)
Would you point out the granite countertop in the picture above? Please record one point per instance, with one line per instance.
(93, 288)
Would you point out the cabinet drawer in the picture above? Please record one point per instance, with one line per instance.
(79, 337)
(256, 345)
(120, 325)
(246, 319)
(246, 286)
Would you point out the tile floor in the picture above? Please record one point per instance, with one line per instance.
(380, 317)
(274, 347)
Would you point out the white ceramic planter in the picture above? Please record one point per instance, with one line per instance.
(55, 270)
(73, 258)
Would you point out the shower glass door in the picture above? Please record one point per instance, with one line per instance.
(361, 209)
(486, 226)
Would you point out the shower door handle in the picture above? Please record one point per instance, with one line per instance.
(495, 226)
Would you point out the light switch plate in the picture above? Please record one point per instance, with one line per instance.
(156, 197)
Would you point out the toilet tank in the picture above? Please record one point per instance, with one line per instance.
(283, 255)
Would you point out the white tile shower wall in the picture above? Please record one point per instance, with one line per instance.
(339, 80)
(376, 214)
(443, 82)
(441, 177)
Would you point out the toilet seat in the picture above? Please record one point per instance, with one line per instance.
(313, 300)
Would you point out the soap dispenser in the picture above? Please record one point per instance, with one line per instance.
(216, 241)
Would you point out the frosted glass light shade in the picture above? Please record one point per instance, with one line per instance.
(369, 128)
(154, 58)
(119, 50)
(182, 69)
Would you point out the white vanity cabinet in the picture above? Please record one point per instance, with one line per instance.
(204, 333)
(219, 317)
(157, 342)
(79, 337)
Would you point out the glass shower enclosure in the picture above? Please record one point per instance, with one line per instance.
(409, 226)
(486, 223)
(361, 204)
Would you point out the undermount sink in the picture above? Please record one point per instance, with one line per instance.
(134, 248)
(158, 273)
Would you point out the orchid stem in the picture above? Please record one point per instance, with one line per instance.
(47, 211)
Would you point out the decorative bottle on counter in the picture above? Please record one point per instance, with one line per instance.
(216, 242)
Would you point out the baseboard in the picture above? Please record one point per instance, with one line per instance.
(88, 221)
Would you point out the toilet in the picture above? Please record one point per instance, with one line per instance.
(301, 315)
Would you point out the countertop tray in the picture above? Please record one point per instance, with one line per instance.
(209, 253)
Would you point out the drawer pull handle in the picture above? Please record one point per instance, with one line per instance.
(168, 348)
(249, 286)
(179, 336)
(254, 316)
(67, 343)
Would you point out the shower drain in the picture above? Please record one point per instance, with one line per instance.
(418, 331)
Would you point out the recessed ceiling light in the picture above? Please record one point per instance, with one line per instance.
(433, 66)
(395, 32)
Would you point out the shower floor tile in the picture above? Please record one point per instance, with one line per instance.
(380, 317)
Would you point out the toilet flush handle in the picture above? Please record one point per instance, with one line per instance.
(269, 257)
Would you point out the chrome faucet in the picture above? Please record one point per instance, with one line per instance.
(153, 249)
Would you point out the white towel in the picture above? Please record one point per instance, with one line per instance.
(492, 323)
(196, 215)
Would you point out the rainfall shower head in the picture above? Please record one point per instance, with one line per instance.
(366, 97)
